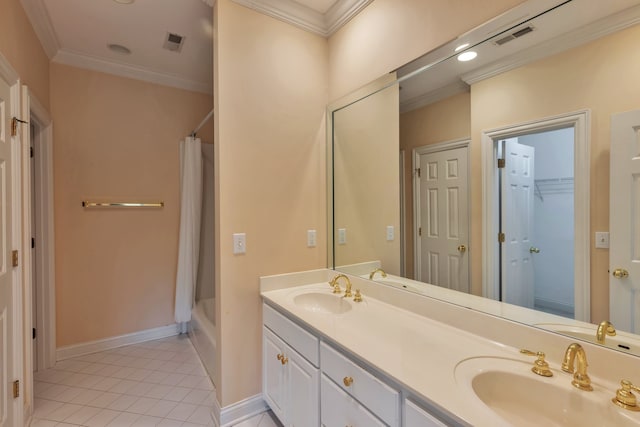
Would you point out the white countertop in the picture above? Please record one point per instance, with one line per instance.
(419, 353)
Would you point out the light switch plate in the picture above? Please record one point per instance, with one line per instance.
(602, 239)
(239, 243)
(311, 238)
(342, 236)
(390, 233)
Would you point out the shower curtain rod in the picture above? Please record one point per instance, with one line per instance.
(193, 134)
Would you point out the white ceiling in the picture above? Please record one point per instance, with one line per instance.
(77, 32)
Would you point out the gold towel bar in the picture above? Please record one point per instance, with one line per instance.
(87, 204)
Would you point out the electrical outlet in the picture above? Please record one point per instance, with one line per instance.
(342, 236)
(311, 238)
(390, 233)
(602, 239)
(239, 243)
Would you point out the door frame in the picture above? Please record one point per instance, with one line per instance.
(580, 122)
(429, 149)
(45, 257)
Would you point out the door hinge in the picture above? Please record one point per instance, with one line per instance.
(14, 258)
(30, 151)
(33, 333)
(419, 231)
(14, 125)
(501, 163)
(418, 172)
(33, 243)
(16, 389)
(501, 237)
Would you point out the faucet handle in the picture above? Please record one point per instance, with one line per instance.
(336, 288)
(358, 296)
(625, 397)
(540, 366)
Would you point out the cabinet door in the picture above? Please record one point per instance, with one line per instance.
(340, 409)
(273, 375)
(417, 417)
(303, 406)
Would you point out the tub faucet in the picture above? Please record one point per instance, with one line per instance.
(377, 270)
(336, 286)
(574, 353)
(605, 328)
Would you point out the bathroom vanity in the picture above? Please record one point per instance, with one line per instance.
(398, 359)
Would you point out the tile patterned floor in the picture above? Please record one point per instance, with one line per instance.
(156, 383)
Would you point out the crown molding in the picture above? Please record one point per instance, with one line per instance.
(41, 23)
(306, 18)
(75, 59)
(7, 72)
(433, 96)
(596, 30)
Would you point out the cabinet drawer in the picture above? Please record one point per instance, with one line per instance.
(415, 416)
(340, 409)
(302, 341)
(377, 396)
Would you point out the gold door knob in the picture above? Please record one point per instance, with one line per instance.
(534, 250)
(347, 381)
(620, 273)
(462, 248)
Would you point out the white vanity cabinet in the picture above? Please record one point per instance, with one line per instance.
(414, 416)
(290, 381)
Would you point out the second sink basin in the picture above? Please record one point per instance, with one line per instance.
(508, 389)
(322, 303)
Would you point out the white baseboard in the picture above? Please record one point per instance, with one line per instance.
(238, 412)
(74, 350)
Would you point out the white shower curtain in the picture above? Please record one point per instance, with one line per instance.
(190, 213)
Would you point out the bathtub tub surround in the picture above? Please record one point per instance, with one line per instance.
(440, 364)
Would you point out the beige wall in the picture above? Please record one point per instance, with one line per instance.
(116, 139)
(390, 33)
(270, 96)
(600, 76)
(445, 120)
(367, 199)
(20, 45)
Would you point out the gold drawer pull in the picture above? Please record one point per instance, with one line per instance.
(347, 381)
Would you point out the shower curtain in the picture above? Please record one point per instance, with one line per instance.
(190, 212)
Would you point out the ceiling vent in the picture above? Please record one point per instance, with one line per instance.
(521, 32)
(173, 42)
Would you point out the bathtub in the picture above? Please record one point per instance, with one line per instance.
(202, 333)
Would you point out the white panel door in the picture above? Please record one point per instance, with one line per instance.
(624, 221)
(444, 219)
(273, 376)
(303, 383)
(6, 285)
(517, 223)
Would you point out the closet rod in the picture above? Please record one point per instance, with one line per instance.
(202, 123)
(88, 204)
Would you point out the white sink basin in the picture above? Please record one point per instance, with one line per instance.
(322, 303)
(516, 396)
(622, 341)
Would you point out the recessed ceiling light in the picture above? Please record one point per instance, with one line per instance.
(118, 48)
(124, 1)
(462, 46)
(467, 56)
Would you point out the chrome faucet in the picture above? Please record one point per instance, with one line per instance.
(574, 353)
(377, 270)
(336, 286)
(605, 328)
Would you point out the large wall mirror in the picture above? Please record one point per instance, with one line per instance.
(480, 172)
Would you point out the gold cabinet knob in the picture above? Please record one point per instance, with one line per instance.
(284, 360)
(280, 356)
(620, 273)
(625, 397)
(462, 249)
(534, 250)
(347, 381)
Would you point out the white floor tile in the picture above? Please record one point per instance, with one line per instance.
(105, 399)
(182, 411)
(123, 403)
(86, 396)
(106, 384)
(162, 408)
(64, 412)
(147, 421)
(83, 415)
(124, 386)
(158, 391)
(170, 423)
(45, 407)
(125, 419)
(196, 397)
(37, 422)
(177, 394)
(142, 405)
(202, 415)
(102, 418)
